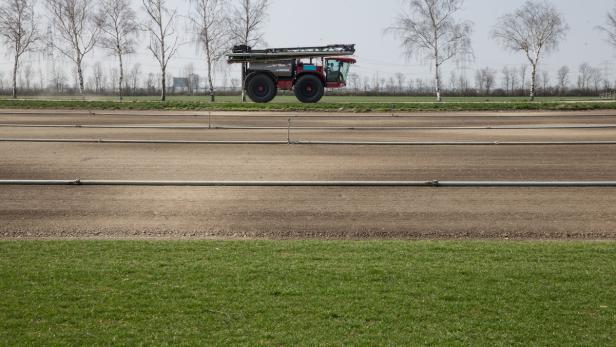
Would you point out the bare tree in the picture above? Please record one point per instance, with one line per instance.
(610, 27)
(150, 82)
(19, 31)
(545, 80)
(563, 78)
(114, 77)
(98, 75)
(134, 74)
(584, 76)
(400, 79)
(596, 77)
(58, 79)
(535, 28)
(163, 44)
(245, 25)
(246, 21)
(28, 71)
(354, 81)
(118, 23)
(506, 79)
(485, 79)
(75, 22)
(209, 23)
(428, 30)
(462, 84)
(514, 80)
(523, 71)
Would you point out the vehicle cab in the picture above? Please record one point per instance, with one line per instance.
(337, 71)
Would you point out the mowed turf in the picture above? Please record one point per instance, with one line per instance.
(307, 293)
(332, 104)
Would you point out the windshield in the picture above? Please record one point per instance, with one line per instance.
(337, 71)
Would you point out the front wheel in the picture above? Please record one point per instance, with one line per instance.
(261, 88)
(309, 89)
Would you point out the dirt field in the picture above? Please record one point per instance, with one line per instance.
(166, 212)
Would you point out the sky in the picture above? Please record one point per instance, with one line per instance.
(363, 22)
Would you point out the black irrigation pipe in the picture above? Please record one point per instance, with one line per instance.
(303, 142)
(433, 183)
(358, 128)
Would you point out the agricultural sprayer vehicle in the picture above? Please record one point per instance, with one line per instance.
(307, 71)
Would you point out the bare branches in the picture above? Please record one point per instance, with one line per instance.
(76, 26)
(534, 29)
(163, 45)
(18, 30)
(429, 31)
(119, 27)
(246, 22)
(209, 19)
(563, 78)
(429, 27)
(18, 26)
(245, 26)
(610, 27)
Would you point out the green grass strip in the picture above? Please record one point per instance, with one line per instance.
(320, 107)
(307, 293)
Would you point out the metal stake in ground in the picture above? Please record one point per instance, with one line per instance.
(289, 131)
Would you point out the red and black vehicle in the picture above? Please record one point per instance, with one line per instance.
(308, 71)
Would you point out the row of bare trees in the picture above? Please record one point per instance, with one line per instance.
(80, 26)
(510, 81)
(585, 80)
(428, 30)
(19, 31)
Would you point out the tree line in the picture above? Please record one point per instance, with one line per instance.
(487, 81)
(428, 30)
(80, 26)
(583, 80)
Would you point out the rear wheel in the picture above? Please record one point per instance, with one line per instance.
(261, 88)
(309, 89)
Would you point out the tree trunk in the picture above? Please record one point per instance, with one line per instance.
(163, 84)
(438, 83)
(533, 82)
(210, 82)
(244, 67)
(15, 76)
(80, 76)
(121, 83)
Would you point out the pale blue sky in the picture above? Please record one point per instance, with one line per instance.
(302, 22)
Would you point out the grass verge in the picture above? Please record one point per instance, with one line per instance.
(320, 107)
(307, 293)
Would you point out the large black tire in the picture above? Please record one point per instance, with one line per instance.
(309, 89)
(261, 88)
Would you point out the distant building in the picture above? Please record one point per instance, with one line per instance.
(180, 84)
(186, 84)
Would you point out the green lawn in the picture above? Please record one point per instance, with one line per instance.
(285, 293)
(331, 104)
(285, 99)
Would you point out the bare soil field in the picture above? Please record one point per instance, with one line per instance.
(328, 213)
